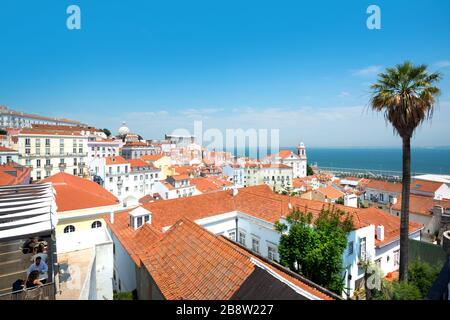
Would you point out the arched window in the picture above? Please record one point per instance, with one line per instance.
(96, 224)
(68, 229)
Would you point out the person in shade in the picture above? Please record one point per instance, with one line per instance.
(33, 280)
(39, 266)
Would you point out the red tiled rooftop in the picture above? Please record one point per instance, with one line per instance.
(5, 149)
(384, 186)
(330, 192)
(189, 262)
(116, 160)
(152, 157)
(75, 193)
(421, 204)
(425, 186)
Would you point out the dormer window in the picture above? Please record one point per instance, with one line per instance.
(138, 217)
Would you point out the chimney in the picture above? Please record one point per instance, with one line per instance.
(111, 217)
(380, 232)
(351, 200)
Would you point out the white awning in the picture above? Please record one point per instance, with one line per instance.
(27, 210)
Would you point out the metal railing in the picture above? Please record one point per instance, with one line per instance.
(44, 292)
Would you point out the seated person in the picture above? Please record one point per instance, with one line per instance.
(39, 251)
(29, 244)
(33, 280)
(38, 265)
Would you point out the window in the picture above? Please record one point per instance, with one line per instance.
(47, 142)
(350, 248)
(96, 224)
(139, 221)
(61, 150)
(255, 244)
(232, 235)
(396, 258)
(272, 252)
(27, 142)
(27, 151)
(74, 172)
(38, 175)
(362, 249)
(47, 162)
(111, 179)
(69, 229)
(74, 161)
(242, 238)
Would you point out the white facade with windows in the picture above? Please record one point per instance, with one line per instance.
(128, 183)
(8, 155)
(48, 154)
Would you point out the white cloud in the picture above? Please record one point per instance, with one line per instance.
(343, 94)
(442, 64)
(353, 125)
(200, 112)
(367, 71)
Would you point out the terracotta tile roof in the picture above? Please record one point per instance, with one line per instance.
(116, 160)
(276, 166)
(425, 186)
(180, 177)
(420, 204)
(136, 144)
(138, 163)
(186, 170)
(209, 184)
(298, 183)
(391, 224)
(152, 157)
(75, 193)
(4, 149)
(135, 242)
(13, 173)
(190, 263)
(330, 192)
(384, 186)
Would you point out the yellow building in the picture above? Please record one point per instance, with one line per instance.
(161, 162)
(81, 204)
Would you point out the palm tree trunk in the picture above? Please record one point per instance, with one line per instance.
(404, 219)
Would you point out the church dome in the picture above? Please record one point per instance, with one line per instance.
(123, 130)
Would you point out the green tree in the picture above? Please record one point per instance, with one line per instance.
(309, 170)
(406, 94)
(107, 132)
(314, 247)
(340, 200)
(422, 275)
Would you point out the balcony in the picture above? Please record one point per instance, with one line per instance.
(62, 166)
(81, 164)
(53, 155)
(48, 167)
(45, 292)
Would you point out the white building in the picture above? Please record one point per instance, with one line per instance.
(128, 180)
(52, 149)
(15, 119)
(382, 192)
(174, 187)
(297, 161)
(236, 173)
(8, 155)
(99, 147)
(248, 215)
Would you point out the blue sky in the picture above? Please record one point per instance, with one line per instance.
(159, 65)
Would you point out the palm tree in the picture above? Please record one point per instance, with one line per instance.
(406, 94)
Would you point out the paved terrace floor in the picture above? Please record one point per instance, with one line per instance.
(74, 268)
